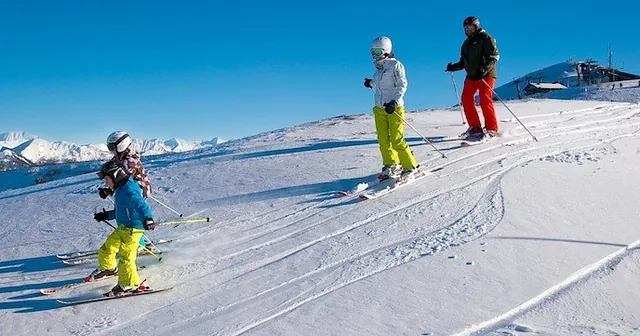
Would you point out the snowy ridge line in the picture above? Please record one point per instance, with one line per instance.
(427, 244)
(582, 275)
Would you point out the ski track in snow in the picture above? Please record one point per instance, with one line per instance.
(548, 296)
(257, 252)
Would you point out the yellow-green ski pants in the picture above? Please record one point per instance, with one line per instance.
(124, 242)
(393, 146)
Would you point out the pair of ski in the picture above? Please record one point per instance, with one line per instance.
(105, 298)
(143, 290)
(87, 257)
(80, 283)
(395, 184)
(382, 186)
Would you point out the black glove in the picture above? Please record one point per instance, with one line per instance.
(101, 216)
(450, 67)
(367, 83)
(390, 107)
(105, 192)
(149, 224)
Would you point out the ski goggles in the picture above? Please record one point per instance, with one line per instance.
(113, 145)
(377, 51)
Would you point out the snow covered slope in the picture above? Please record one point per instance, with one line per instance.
(511, 237)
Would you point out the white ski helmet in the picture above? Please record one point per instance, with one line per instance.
(383, 43)
(118, 140)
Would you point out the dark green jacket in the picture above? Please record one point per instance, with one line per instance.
(478, 56)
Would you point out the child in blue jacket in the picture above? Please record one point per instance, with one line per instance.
(133, 215)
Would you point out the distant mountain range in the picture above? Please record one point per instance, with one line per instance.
(20, 149)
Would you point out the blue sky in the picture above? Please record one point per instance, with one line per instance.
(77, 70)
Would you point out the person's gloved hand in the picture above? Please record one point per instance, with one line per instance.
(101, 216)
(390, 107)
(105, 192)
(149, 224)
(450, 67)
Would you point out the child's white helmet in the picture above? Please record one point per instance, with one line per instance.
(118, 140)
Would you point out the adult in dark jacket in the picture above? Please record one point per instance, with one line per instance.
(478, 57)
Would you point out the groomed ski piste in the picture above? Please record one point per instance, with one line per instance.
(508, 237)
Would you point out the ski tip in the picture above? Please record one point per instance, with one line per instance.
(366, 197)
(47, 291)
(342, 193)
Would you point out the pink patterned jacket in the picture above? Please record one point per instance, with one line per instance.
(131, 160)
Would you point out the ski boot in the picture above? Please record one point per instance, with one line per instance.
(98, 274)
(409, 174)
(120, 290)
(390, 172)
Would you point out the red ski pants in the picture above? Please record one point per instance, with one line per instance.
(486, 103)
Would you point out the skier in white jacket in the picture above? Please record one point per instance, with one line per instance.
(389, 84)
